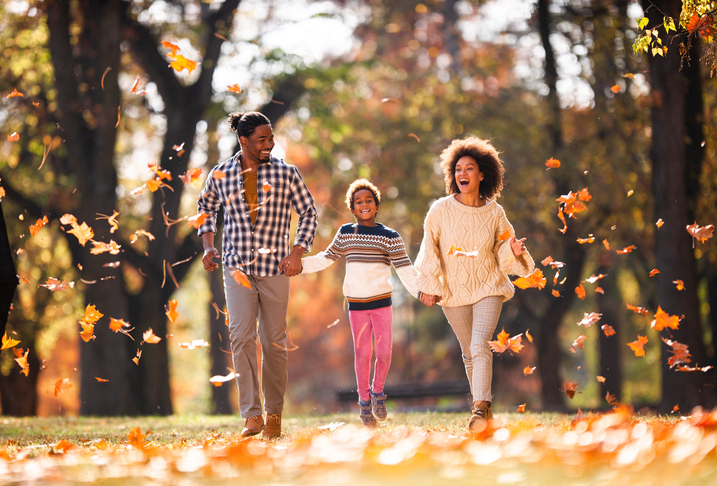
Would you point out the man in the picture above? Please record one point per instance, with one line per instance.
(257, 192)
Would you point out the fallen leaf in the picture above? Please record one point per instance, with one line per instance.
(8, 343)
(136, 438)
(534, 280)
(61, 386)
(664, 320)
(552, 163)
(638, 347)
(64, 446)
(171, 311)
(506, 343)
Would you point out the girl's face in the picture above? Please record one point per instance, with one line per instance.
(365, 207)
(468, 175)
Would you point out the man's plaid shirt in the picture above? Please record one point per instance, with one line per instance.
(258, 249)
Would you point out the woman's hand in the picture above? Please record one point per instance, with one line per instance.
(429, 300)
(518, 246)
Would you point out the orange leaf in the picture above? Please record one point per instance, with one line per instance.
(92, 315)
(562, 218)
(14, 137)
(521, 409)
(101, 380)
(240, 278)
(88, 332)
(173, 47)
(136, 438)
(659, 223)
(140, 232)
(61, 386)
(571, 205)
(234, 88)
(101, 247)
(569, 388)
(653, 272)
(547, 261)
(197, 220)
(606, 244)
(590, 319)
(584, 195)
(15, 93)
(180, 151)
(627, 249)
(171, 311)
(701, 233)
(136, 358)
(8, 343)
(505, 235)
(34, 228)
(196, 343)
(527, 334)
(555, 293)
(681, 353)
(611, 400)
(506, 343)
(608, 330)
(415, 136)
(534, 280)
(266, 186)
(630, 193)
(615, 89)
(639, 310)
(589, 239)
(680, 284)
(594, 278)
(638, 347)
(53, 284)
(21, 360)
(664, 320)
(599, 290)
(68, 219)
(528, 370)
(578, 343)
(180, 62)
(191, 175)
(149, 337)
(117, 325)
(552, 163)
(153, 184)
(601, 379)
(580, 291)
(83, 232)
(64, 445)
(218, 175)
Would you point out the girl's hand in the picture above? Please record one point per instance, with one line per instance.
(518, 246)
(429, 300)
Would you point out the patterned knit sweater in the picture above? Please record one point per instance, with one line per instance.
(369, 251)
(464, 280)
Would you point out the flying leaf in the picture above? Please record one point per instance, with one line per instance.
(88, 332)
(628, 76)
(234, 88)
(555, 293)
(680, 353)
(180, 62)
(506, 343)
(625, 250)
(415, 136)
(653, 272)
(83, 232)
(191, 175)
(571, 205)
(664, 320)
(552, 163)
(171, 311)
(608, 330)
(696, 368)
(172, 47)
(580, 291)
(218, 380)
(62, 386)
(590, 319)
(578, 343)
(197, 220)
(521, 409)
(218, 175)
(136, 358)
(584, 195)
(8, 343)
(606, 244)
(505, 235)
(68, 219)
(639, 310)
(196, 343)
(180, 151)
(601, 379)
(117, 325)
(594, 278)
(527, 335)
(21, 360)
(615, 88)
(53, 284)
(630, 193)
(101, 380)
(534, 280)
(140, 232)
(92, 315)
(547, 261)
(149, 337)
(528, 370)
(569, 388)
(240, 278)
(611, 400)
(679, 284)
(703, 233)
(599, 290)
(589, 239)
(561, 216)
(112, 220)
(13, 137)
(35, 228)
(101, 247)
(659, 223)
(638, 347)
(15, 93)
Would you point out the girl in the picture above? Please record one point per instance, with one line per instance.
(471, 289)
(370, 249)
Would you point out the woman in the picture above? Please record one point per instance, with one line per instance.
(471, 288)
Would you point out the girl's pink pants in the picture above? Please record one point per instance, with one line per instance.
(364, 324)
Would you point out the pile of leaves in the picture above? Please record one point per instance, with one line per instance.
(512, 448)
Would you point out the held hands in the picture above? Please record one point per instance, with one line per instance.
(518, 246)
(429, 300)
(208, 259)
(291, 265)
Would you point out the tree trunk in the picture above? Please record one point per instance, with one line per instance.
(674, 254)
(608, 302)
(8, 276)
(18, 395)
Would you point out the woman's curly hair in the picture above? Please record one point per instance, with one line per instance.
(357, 185)
(487, 158)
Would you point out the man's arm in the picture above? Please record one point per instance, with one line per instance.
(291, 265)
(210, 253)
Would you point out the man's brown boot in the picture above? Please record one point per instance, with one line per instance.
(253, 426)
(273, 426)
(480, 414)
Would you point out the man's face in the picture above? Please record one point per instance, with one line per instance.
(259, 144)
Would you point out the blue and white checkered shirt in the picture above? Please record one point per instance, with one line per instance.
(258, 249)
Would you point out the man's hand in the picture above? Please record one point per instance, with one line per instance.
(208, 259)
(291, 265)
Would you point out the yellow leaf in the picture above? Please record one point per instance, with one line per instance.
(8, 343)
(88, 332)
(149, 337)
(171, 311)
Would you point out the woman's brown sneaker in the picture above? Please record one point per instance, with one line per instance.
(273, 426)
(480, 415)
(253, 426)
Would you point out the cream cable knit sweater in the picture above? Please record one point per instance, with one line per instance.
(464, 280)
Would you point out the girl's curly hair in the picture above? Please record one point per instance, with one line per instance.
(357, 185)
(487, 158)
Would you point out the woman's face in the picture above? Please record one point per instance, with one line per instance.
(468, 175)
